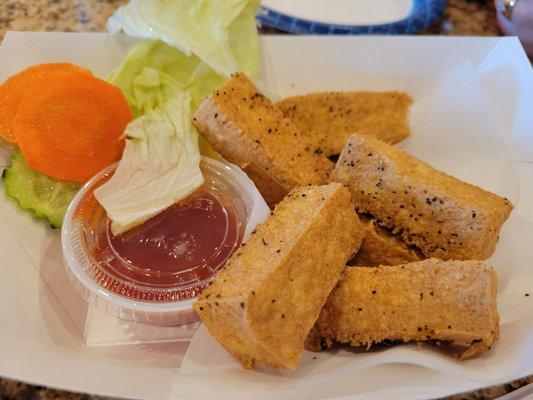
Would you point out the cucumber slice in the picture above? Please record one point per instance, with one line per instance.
(45, 197)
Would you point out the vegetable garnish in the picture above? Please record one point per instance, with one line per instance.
(13, 90)
(47, 198)
(161, 163)
(70, 127)
(197, 43)
(205, 28)
(190, 73)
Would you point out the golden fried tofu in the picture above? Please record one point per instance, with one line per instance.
(452, 301)
(380, 247)
(430, 211)
(266, 299)
(249, 131)
(328, 119)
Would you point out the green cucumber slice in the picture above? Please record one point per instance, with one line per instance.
(35, 192)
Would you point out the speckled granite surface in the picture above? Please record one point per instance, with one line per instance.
(461, 17)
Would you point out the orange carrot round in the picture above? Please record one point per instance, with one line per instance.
(15, 87)
(69, 127)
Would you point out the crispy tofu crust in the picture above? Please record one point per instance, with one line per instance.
(426, 300)
(248, 130)
(380, 247)
(265, 300)
(440, 215)
(328, 119)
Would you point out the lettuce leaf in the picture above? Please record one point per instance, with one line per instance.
(161, 161)
(222, 34)
(189, 73)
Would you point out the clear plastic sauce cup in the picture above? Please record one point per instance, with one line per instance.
(153, 272)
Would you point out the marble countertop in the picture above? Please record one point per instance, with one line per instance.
(461, 17)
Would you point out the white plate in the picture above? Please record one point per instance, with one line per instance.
(470, 96)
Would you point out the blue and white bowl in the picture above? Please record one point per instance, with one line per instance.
(350, 17)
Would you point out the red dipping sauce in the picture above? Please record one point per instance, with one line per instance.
(187, 242)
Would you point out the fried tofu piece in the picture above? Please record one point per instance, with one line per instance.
(380, 247)
(436, 213)
(436, 300)
(266, 299)
(328, 119)
(249, 131)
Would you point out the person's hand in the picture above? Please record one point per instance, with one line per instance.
(521, 23)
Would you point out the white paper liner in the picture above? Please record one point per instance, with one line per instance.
(207, 360)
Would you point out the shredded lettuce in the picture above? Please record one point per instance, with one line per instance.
(222, 34)
(161, 160)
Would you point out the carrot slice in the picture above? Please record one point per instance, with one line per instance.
(15, 87)
(69, 127)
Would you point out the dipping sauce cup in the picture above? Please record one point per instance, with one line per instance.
(153, 272)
